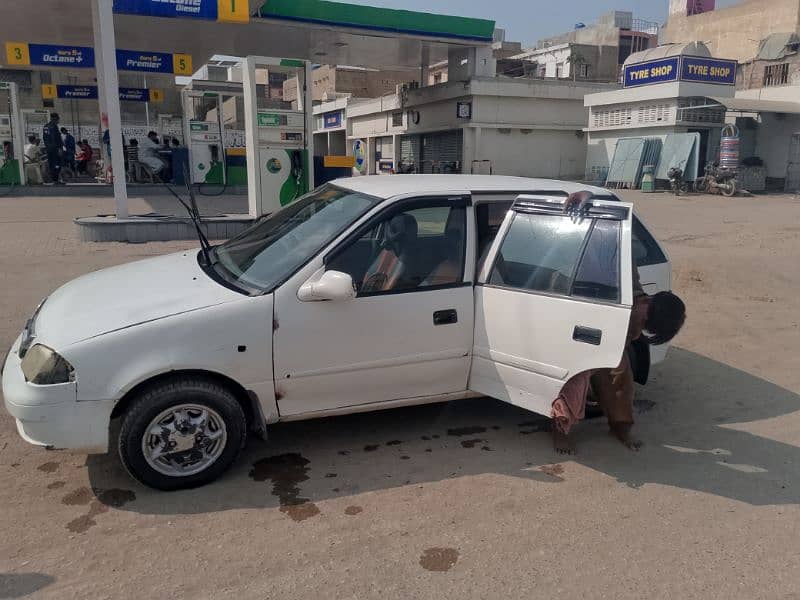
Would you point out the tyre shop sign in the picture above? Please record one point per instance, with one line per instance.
(681, 68)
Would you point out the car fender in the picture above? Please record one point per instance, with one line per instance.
(233, 340)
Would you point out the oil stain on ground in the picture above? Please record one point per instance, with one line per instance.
(56, 485)
(353, 510)
(462, 431)
(439, 559)
(287, 472)
(99, 502)
(371, 447)
(49, 467)
(471, 443)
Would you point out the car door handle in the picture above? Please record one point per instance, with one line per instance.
(587, 335)
(445, 317)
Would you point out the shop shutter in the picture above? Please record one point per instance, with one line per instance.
(410, 154)
(443, 152)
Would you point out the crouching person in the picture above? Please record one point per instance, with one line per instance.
(654, 319)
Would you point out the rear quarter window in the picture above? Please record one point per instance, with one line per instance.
(646, 250)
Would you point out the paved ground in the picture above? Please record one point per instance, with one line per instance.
(461, 500)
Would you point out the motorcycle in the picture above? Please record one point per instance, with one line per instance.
(717, 180)
(677, 183)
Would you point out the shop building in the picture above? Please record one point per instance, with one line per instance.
(671, 89)
(482, 125)
(595, 52)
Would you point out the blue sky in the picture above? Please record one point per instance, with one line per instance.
(529, 20)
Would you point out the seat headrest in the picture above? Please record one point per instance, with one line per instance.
(401, 231)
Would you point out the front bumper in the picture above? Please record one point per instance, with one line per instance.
(51, 415)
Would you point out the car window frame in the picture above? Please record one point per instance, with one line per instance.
(452, 200)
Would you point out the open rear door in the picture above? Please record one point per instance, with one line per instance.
(553, 299)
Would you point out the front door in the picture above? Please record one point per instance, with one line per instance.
(407, 334)
(553, 300)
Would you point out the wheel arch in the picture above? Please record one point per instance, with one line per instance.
(246, 398)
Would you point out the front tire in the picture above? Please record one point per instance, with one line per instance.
(729, 189)
(182, 433)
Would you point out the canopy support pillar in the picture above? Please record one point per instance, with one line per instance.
(105, 49)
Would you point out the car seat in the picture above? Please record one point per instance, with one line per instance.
(398, 245)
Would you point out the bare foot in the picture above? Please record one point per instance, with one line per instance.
(562, 444)
(622, 431)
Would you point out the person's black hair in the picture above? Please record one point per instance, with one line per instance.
(151, 134)
(133, 142)
(64, 130)
(665, 318)
(175, 142)
(32, 139)
(54, 116)
(84, 141)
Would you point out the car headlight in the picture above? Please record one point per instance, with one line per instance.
(44, 366)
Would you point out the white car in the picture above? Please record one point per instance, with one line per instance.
(369, 293)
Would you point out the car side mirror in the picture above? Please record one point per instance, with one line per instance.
(333, 286)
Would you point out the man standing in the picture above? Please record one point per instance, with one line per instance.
(54, 146)
(69, 148)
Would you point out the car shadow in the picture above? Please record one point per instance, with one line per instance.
(19, 585)
(685, 417)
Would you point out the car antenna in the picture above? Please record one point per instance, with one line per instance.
(194, 214)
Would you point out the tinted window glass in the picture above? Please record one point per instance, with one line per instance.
(540, 253)
(598, 274)
(645, 249)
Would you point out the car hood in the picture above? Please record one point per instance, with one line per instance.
(125, 296)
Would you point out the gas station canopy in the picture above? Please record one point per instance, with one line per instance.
(313, 30)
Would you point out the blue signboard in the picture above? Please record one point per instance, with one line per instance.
(77, 92)
(333, 120)
(61, 56)
(708, 70)
(224, 11)
(195, 9)
(149, 62)
(134, 94)
(656, 71)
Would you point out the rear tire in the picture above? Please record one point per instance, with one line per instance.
(182, 433)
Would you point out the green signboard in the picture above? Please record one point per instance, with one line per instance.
(269, 120)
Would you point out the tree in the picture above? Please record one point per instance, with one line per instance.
(575, 59)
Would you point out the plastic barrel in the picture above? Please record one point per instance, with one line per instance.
(729, 148)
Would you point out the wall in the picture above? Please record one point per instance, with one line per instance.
(773, 137)
(360, 83)
(735, 32)
(751, 75)
(537, 153)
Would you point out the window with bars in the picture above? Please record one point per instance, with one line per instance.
(776, 75)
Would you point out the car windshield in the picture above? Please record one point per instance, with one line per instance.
(265, 255)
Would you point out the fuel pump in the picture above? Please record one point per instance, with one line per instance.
(203, 134)
(12, 169)
(282, 156)
(279, 144)
(213, 119)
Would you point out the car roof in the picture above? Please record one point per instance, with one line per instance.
(389, 186)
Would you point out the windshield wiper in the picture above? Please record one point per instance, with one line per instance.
(194, 215)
